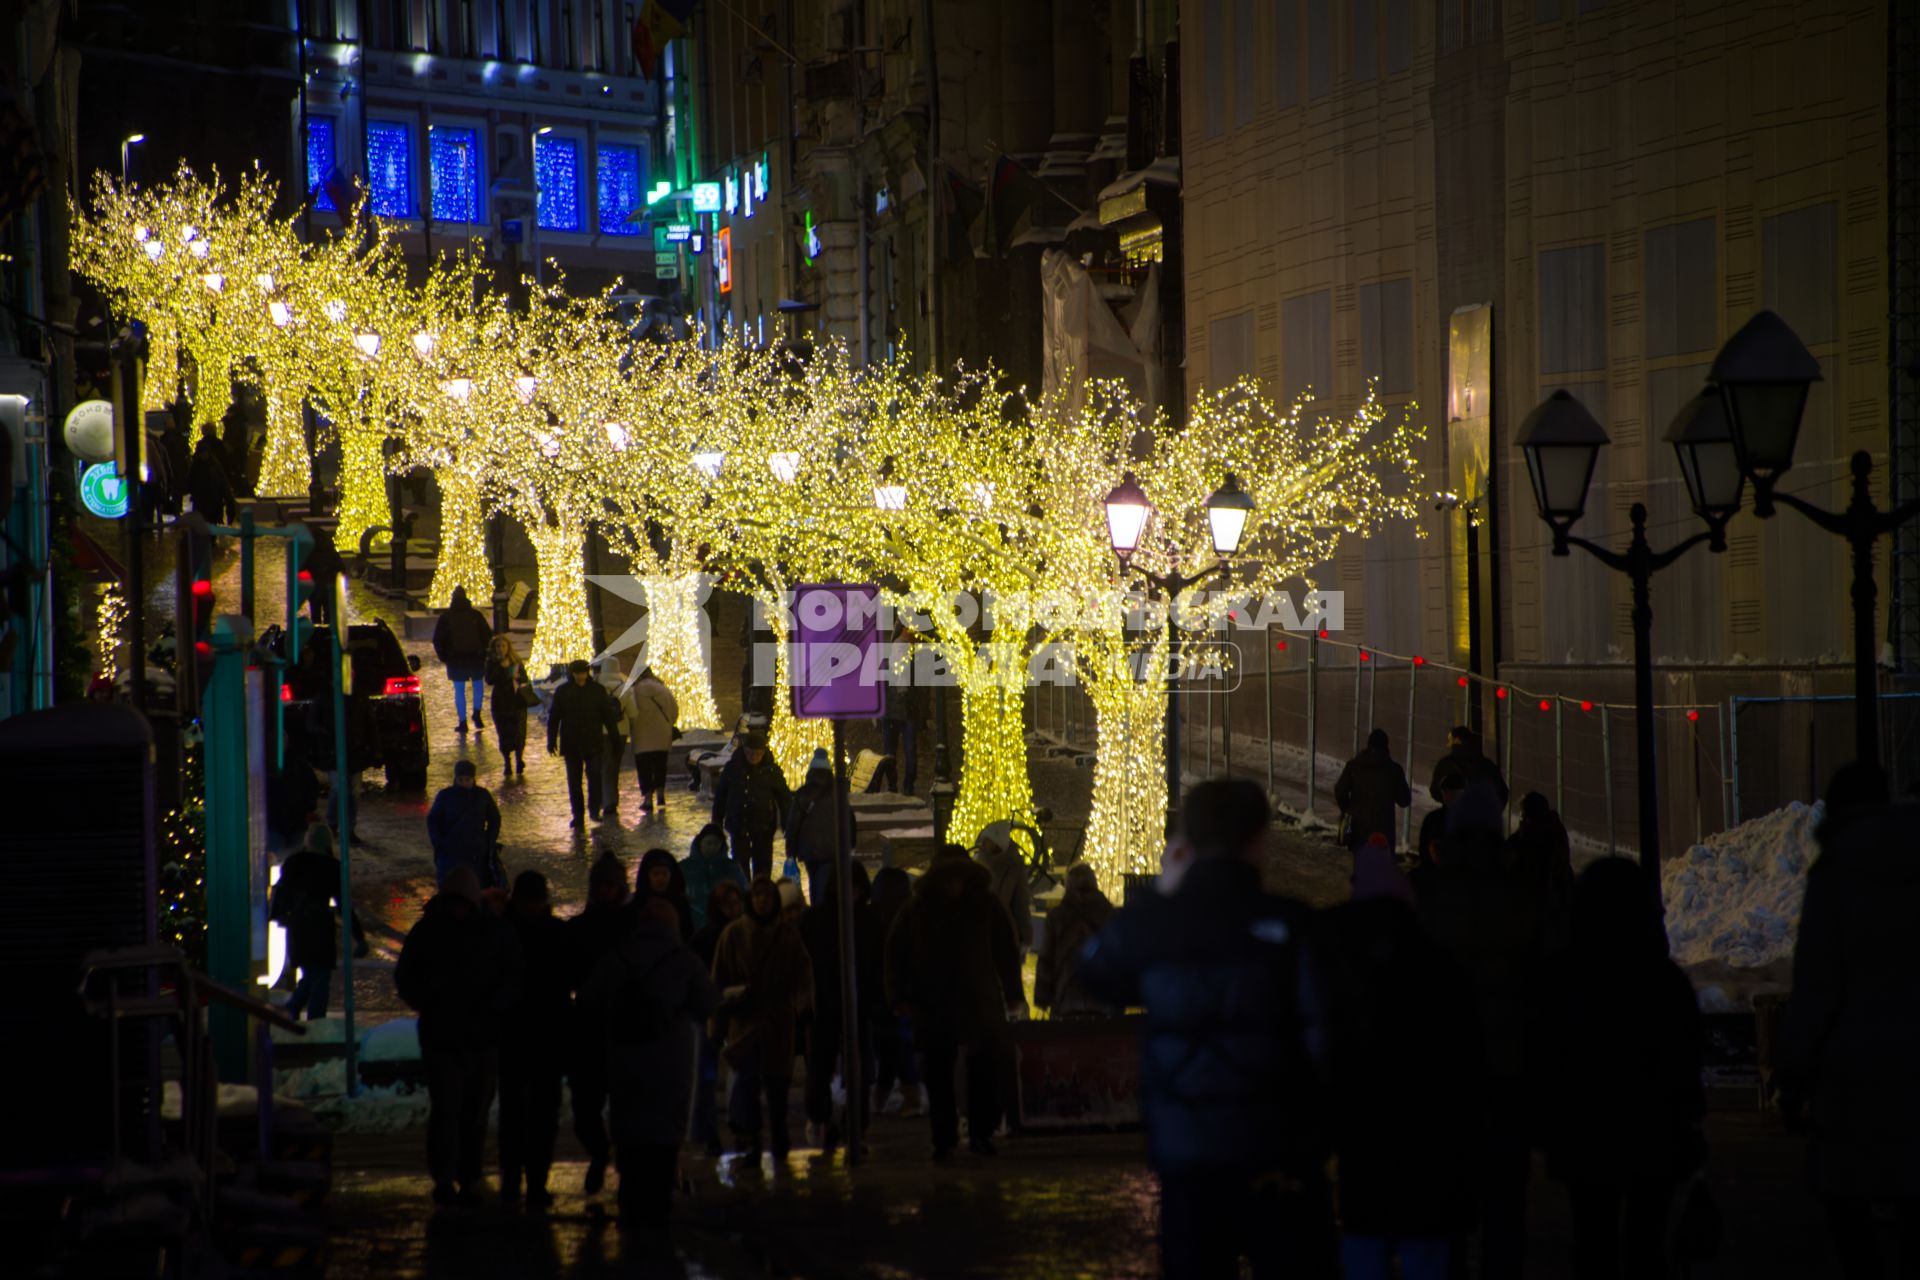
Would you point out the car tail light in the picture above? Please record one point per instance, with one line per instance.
(402, 686)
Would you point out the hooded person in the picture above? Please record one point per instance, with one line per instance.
(605, 920)
(209, 483)
(659, 876)
(750, 799)
(460, 970)
(303, 902)
(532, 1050)
(461, 638)
(607, 674)
(1082, 913)
(463, 826)
(766, 983)
(1007, 878)
(707, 866)
(646, 997)
(1368, 791)
(954, 967)
(809, 826)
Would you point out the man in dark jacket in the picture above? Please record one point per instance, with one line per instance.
(750, 800)
(579, 720)
(953, 966)
(463, 826)
(809, 826)
(460, 970)
(1465, 759)
(532, 1049)
(1369, 789)
(590, 936)
(1230, 1076)
(303, 904)
(820, 931)
(209, 484)
(460, 640)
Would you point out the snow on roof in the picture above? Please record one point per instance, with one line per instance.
(1164, 172)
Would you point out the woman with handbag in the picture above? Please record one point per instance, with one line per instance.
(766, 983)
(513, 693)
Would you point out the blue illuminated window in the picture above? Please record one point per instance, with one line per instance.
(320, 159)
(455, 156)
(556, 167)
(622, 181)
(390, 168)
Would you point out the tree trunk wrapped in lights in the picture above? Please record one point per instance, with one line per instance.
(994, 783)
(463, 541)
(563, 631)
(363, 480)
(285, 468)
(680, 644)
(792, 740)
(1126, 684)
(161, 384)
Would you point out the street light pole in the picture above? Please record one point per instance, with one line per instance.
(126, 145)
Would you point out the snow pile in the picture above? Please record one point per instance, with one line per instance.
(1736, 898)
(321, 1088)
(396, 1041)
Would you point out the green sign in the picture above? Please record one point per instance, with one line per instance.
(102, 492)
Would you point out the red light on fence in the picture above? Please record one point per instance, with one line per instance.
(202, 587)
(286, 693)
(1693, 713)
(1419, 661)
(1586, 706)
(1323, 633)
(203, 648)
(1233, 615)
(1498, 693)
(1462, 682)
(304, 577)
(1365, 656)
(1280, 644)
(1546, 704)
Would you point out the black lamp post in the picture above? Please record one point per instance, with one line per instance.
(1128, 514)
(1763, 375)
(1561, 442)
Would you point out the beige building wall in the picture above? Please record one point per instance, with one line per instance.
(1665, 169)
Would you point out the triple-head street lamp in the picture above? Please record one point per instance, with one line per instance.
(1129, 514)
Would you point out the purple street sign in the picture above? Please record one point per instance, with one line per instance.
(836, 643)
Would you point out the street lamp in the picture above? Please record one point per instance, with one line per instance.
(368, 343)
(888, 493)
(127, 144)
(1561, 442)
(1764, 374)
(1129, 512)
(785, 465)
(708, 461)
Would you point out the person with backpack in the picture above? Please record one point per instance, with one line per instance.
(809, 828)
(463, 826)
(531, 1057)
(460, 640)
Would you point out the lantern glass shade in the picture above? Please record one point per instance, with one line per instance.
(1763, 373)
(784, 465)
(524, 386)
(280, 313)
(1227, 512)
(981, 491)
(708, 462)
(1704, 448)
(1127, 513)
(214, 281)
(335, 310)
(890, 496)
(425, 344)
(154, 249)
(458, 388)
(1561, 441)
(368, 344)
(617, 436)
(264, 281)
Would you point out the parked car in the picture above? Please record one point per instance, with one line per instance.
(386, 727)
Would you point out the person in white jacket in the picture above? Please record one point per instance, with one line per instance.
(607, 672)
(652, 719)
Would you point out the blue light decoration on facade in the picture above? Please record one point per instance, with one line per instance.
(320, 160)
(556, 167)
(622, 180)
(454, 154)
(390, 168)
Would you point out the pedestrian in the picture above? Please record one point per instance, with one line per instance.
(954, 967)
(607, 673)
(653, 721)
(900, 717)
(303, 903)
(1401, 1147)
(1540, 852)
(327, 569)
(792, 901)
(460, 640)
(1850, 1050)
(463, 826)
(293, 798)
(209, 483)
(1006, 867)
(750, 799)
(1232, 1053)
(460, 970)
(1369, 789)
(647, 996)
(590, 936)
(766, 983)
(810, 827)
(1083, 911)
(1464, 757)
(579, 719)
(707, 867)
(820, 932)
(725, 904)
(894, 1058)
(659, 876)
(531, 1050)
(507, 677)
(1623, 1042)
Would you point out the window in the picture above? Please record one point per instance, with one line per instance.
(1286, 54)
(623, 179)
(454, 154)
(1682, 291)
(1319, 48)
(1229, 349)
(1366, 37)
(1799, 270)
(1573, 310)
(1386, 335)
(1306, 346)
(390, 168)
(1213, 79)
(503, 32)
(556, 170)
(1244, 88)
(320, 160)
(1399, 36)
(569, 38)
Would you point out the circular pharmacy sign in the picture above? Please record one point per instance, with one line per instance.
(89, 432)
(102, 492)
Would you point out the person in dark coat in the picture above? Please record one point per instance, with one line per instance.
(293, 798)
(707, 865)
(460, 640)
(531, 1051)
(750, 799)
(809, 826)
(303, 903)
(1082, 913)
(646, 996)
(1395, 999)
(820, 931)
(1850, 1048)
(460, 970)
(1464, 758)
(507, 677)
(170, 461)
(725, 904)
(1233, 1051)
(1540, 851)
(659, 876)
(326, 566)
(1623, 1042)
(893, 1052)
(766, 983)
(900, 717)
(580, 721)
(590, 936)
(209, 483)
(1369, 789)
(954, 967)
(463, 826)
